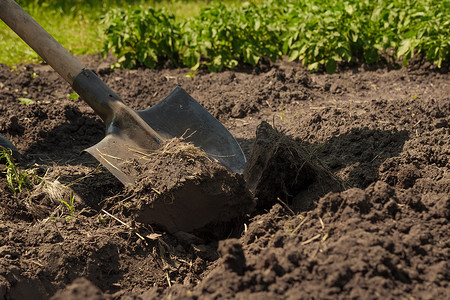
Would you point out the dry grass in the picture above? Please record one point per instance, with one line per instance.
(179, 148)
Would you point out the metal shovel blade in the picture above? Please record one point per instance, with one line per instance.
(127, 141)
(179, 115)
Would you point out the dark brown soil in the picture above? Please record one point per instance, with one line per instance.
(350, 171)
(281, 168)
(180, 188)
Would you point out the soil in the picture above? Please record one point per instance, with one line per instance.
(180, 188)
(350, 174)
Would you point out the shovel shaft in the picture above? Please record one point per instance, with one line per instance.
(97, 94)
(40, 40)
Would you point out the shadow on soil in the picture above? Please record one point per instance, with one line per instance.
(357, 155)
(299, 180)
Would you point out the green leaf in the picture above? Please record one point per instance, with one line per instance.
(349, 8)
(73, 96)
(26, 101)
(294, 55)
(257, 24)
(313, 67)
(192, 75)
(330, 66)
(404, 47)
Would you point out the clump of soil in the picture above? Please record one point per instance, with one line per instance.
(281, 168)
(81, 288)
(357, 244)
(181, 188)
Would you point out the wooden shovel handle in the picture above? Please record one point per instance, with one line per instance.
(40, 40)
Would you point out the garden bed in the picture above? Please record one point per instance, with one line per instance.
(352, 200)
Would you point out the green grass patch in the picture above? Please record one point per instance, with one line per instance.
(69, 205)
(17, 179)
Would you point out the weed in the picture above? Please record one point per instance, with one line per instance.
(282, 112)
(73, 96)
(17, 180)
(69, 205)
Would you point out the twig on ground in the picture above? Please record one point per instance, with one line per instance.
(300, 225)
(286, 206)
(123, 223)
(321, 223)
(311, 239)
(168, 279)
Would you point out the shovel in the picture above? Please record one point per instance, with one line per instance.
(130, 135)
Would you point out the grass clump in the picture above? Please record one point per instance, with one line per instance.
(35, 197)
(17, 180)
(69, 204)
(51, 199)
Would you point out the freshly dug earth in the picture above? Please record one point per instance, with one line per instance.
(180, 188)
(360, 209)
(290, 168)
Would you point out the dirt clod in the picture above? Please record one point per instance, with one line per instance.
(81, 288)
(181, 188)
(232, 255)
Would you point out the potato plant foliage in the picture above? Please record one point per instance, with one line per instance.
(319, 33)
(141, 37)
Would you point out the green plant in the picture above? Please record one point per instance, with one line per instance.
(73, 96)
(69, 204)
(325, 32)
(426, 30)
(17, 180)
(319, 33)
(141, 37)
(75, 24)
(218, 35)
(222, 37)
